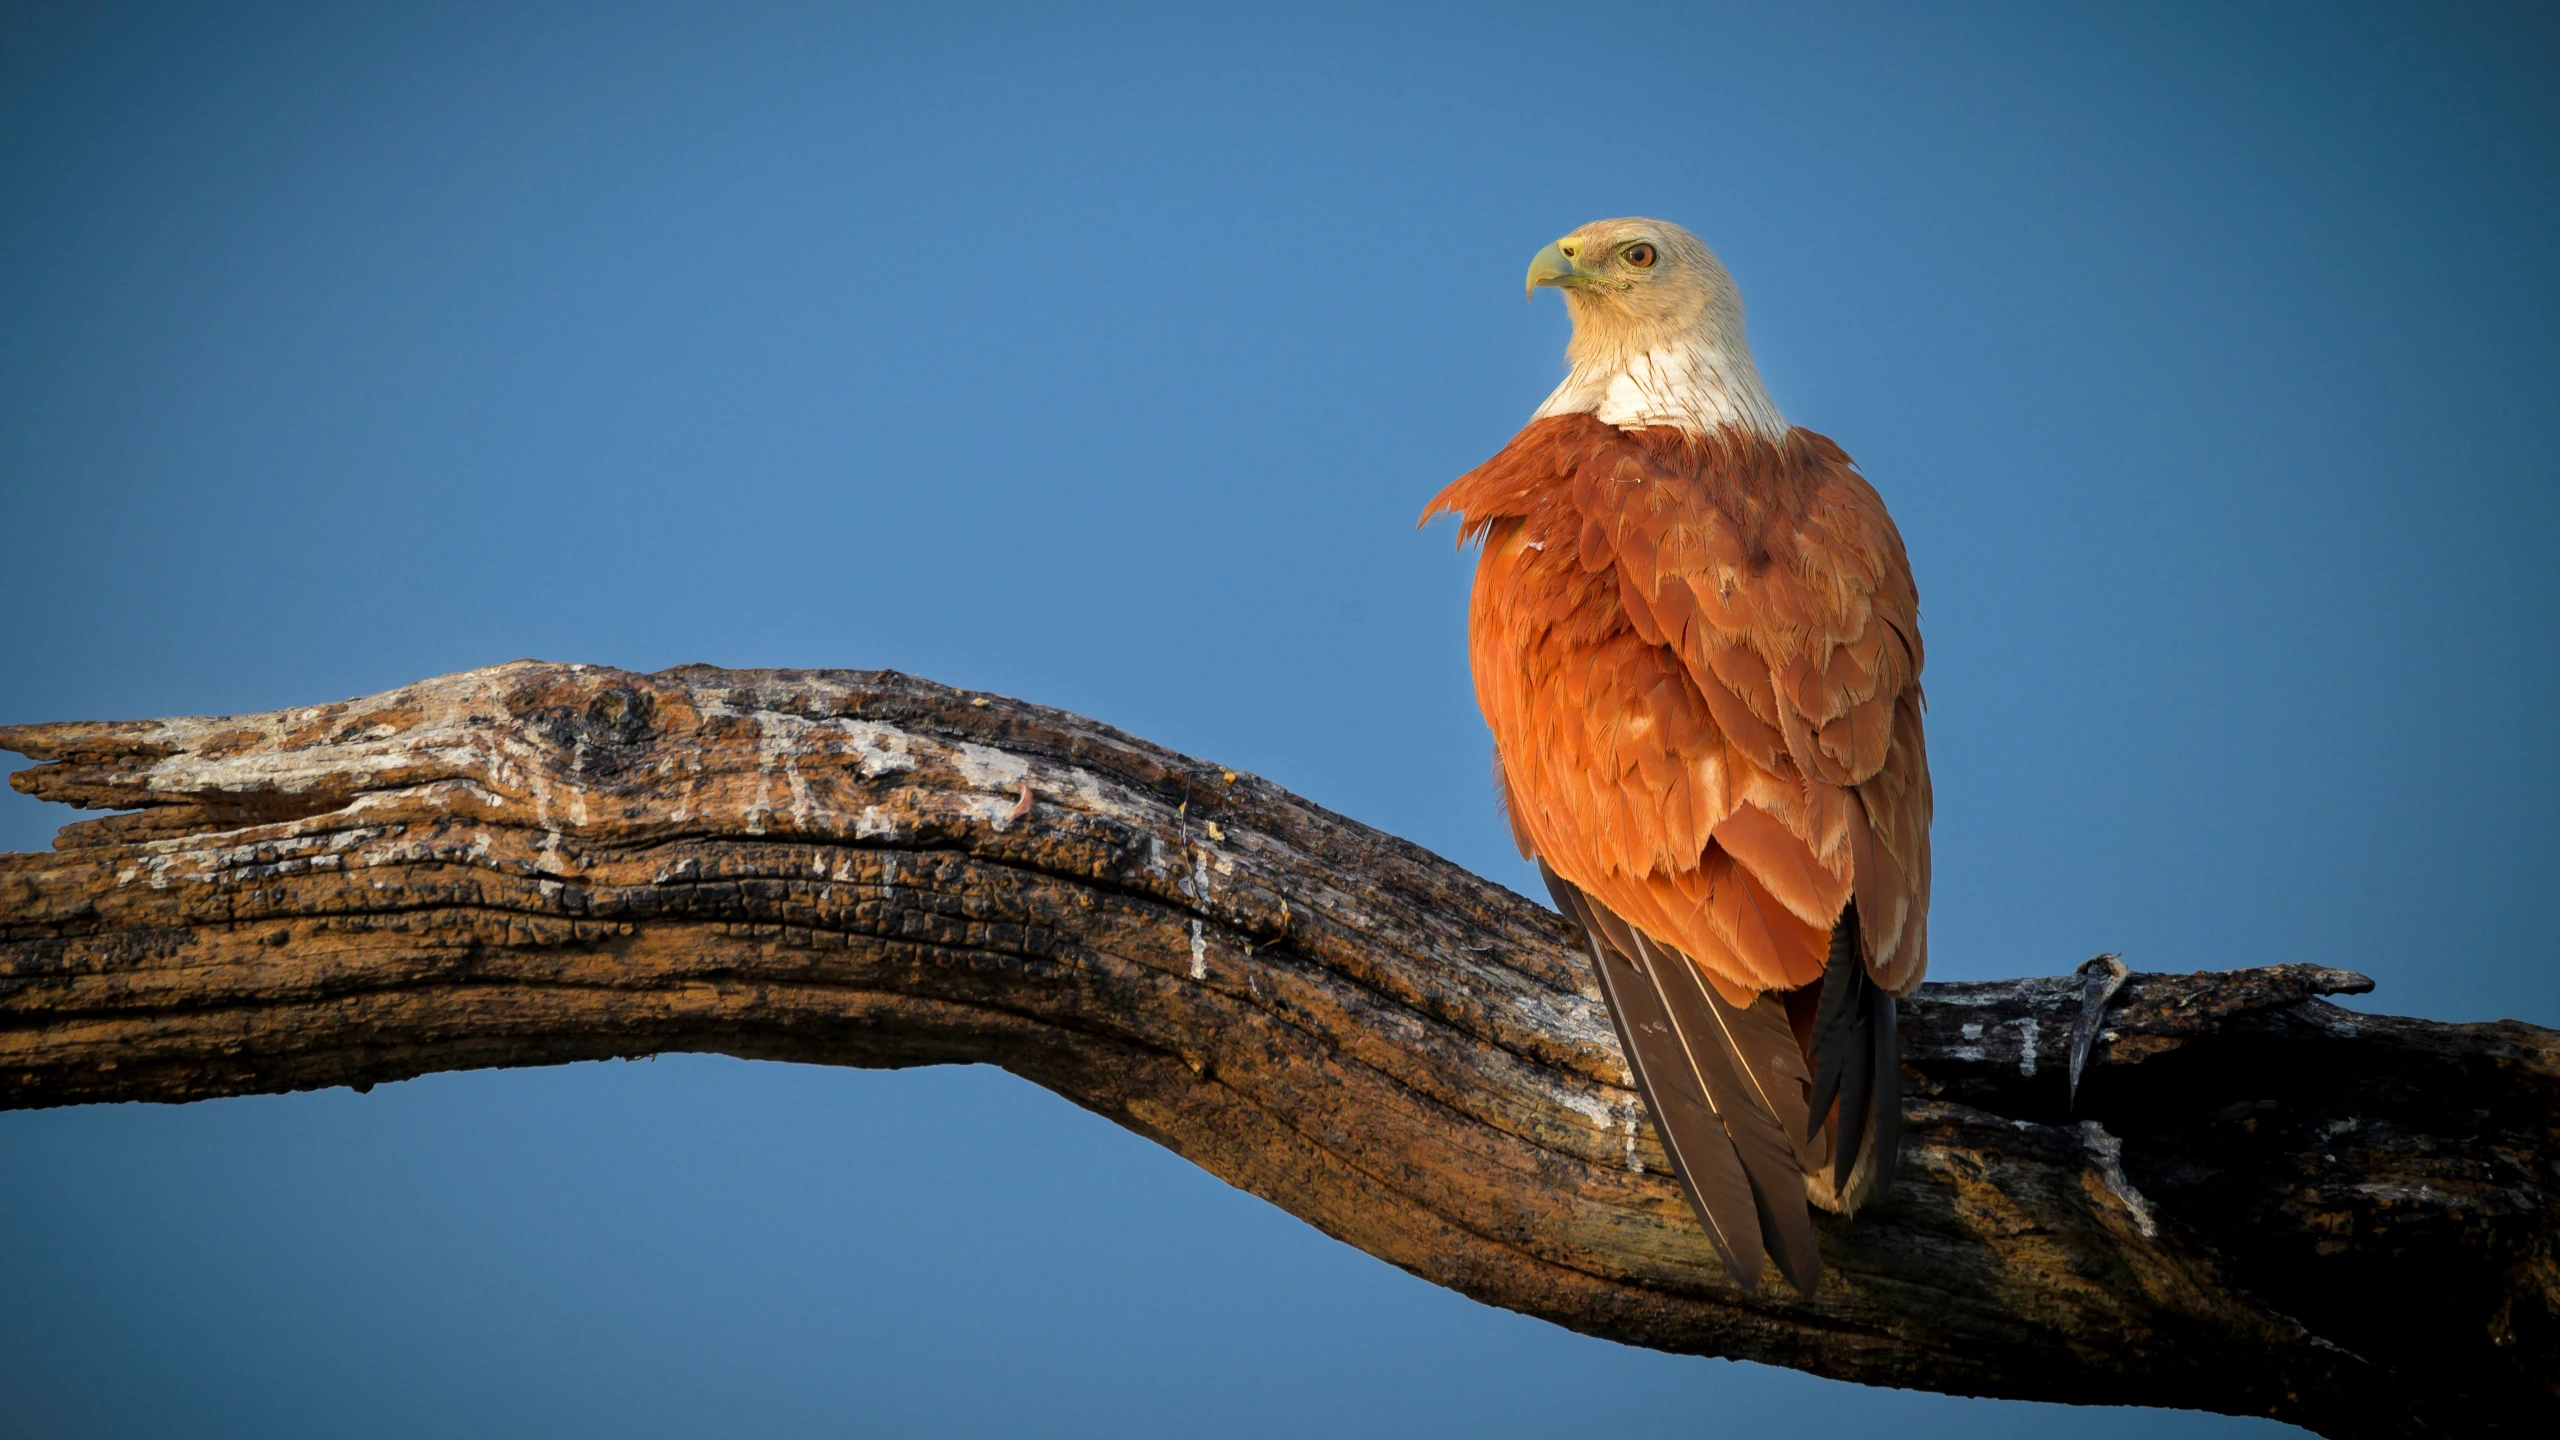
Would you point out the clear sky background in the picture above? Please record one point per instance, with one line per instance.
(2207, 355)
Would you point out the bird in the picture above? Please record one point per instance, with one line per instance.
(1695, 637)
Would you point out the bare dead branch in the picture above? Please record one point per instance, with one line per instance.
(2262, 1204)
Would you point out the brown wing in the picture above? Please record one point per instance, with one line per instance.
(1700, 659)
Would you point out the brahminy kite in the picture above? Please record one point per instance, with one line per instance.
(1696, 640)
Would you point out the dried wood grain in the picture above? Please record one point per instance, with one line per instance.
(2262, 1203)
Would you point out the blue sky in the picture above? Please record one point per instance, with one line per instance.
(2206, 356)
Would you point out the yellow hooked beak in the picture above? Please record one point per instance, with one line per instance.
(1550, 267)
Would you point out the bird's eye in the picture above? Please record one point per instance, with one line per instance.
(1640, 255)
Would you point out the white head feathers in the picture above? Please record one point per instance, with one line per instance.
(1657, 332)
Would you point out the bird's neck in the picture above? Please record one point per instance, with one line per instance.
(1696, 383)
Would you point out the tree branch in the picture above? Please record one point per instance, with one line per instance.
(2263, 1203)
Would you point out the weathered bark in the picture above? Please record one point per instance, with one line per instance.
(2262, 1204)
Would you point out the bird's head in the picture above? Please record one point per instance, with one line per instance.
(1637, 285)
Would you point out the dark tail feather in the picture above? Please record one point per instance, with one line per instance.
(1754, 1074)
(1836, 1014)
(1857, 1058)
(1888, 1083)
(1721, 1082)
(1701, 1152)
(1843, 1049)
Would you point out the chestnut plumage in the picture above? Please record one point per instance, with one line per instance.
(1696, 639)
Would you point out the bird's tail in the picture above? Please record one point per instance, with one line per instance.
(1743, 1102)
(1856, 1049)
